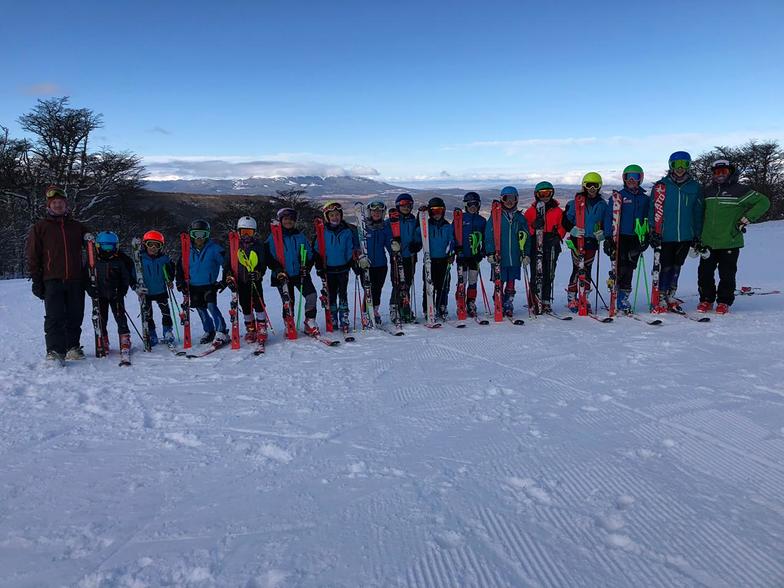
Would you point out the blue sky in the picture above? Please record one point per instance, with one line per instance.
(404, 91)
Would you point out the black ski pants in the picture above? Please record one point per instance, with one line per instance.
(251, 297)
(64, 308)
(163, 305)
(118, 311)
(378, 275)
(337, 282)
(629, 253)
(408, 272)
(672, 257)
(441, 279)
(550, 253)
(308, 291)
(727, 262)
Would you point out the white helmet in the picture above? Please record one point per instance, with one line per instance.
(246, 222)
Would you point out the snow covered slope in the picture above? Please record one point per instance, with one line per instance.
(552, 454)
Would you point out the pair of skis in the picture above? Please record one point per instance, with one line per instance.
(403, 302)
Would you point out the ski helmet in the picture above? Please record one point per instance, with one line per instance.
(247, 222)
(509, 191)
(286, 212)
(680, 160)
(436, 202)
(544, 186)
(472, 198)
(330, 206)
(404, 199)
(154, 237)
(634, 169)
(376, 205)
(592, 178)
(199, 229)
(107, 241)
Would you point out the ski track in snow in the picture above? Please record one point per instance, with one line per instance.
(553, 454)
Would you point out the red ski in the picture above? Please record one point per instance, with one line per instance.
(659, 192)
(495, 217)
(318, 223)
(288, 313)
(185, 309)
(582, 277)
(460, 292)
(234, 246)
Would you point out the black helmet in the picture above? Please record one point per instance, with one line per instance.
(404, 197)
(472, 197)
(200, 225)
(436, 202)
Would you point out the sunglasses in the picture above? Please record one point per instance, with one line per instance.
(153, 244)
(199, 234)
(680, 164)
(437, 209)
(633, 176)
(590, 185)
(247, 232)
(545, 193)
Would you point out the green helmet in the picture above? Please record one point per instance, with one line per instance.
(633, 168)
(592, 178)
(543, 186)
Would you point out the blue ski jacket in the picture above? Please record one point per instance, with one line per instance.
(341, 242)
(633, 207)
(472, 223)
(441, 237)
(683, 210)
(205, 264)
(513, 226)
(152, 268)
(379, 238)
(595, 213)
(292, 241)
(408, 228)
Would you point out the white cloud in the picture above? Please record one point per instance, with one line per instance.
(43, 89)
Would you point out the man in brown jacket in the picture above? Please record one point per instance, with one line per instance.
(54, 260)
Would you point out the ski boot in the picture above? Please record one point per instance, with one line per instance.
(261, 332)
(546, 308)
(153, 337)
(125, 349)
(168, 336)
(508, 307)
(377, 317)
(105, 339)
(310, 328)
(55, 356)
(622, 303)
(220, 338)
(673, 305)
(704, 306)
(722, 308)
(74, 353)
(471, 308)
(571, 301)
(207, 338)
(250, 331)
(442, 315)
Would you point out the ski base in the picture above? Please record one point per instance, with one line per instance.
(653, 322)
(515, 321)
(555, 315)
(213, 348)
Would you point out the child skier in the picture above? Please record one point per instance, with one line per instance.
(293, 273)
(515, 245)
(635, 209)
(552, 234)
(593, 233)
(158, 271)
(378, 240)
(114, 275)
(205, 262)
(251, 265)
(408, 249)
(729, 207)
(683, 216)
(442, 245)
(472, 250)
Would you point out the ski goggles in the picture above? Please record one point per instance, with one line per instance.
(594, 185)
(633, 176)
(508, 198)
(199, 234)
(680, 164)
(545, 192)
(472, 203)
(109, 247)
(377, 206)
(721, 171)
(247, 232)
(408, 203)
(54, 192)
(437, 209)
(149, 244)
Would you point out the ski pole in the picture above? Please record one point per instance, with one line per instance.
(130, 320)
(263, 307)
(484, 292)
(303, 256)
(596, 283)
(528, 294)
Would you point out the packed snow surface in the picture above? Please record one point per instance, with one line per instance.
(551, 454)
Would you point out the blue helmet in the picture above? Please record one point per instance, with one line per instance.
(107, 241)
(509, 191)
(679, 156)
(404, 197)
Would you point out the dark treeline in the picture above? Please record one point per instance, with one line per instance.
(105, 187)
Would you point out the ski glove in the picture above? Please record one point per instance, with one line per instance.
(254, 276)
(38, 289)
(363, 262)
(395, 247)
(609, 247)
(231, 284)
(577, 232)
(539, 223)
(599, 235)
(655, 239)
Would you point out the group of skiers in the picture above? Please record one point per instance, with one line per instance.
(681, 215)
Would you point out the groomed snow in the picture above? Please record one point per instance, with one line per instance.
(553, 454)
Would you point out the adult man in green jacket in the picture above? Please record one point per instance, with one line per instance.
(729, 207)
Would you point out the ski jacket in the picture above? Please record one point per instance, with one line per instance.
(683, 210)
(595, 212)
(408, 227)
(440, 235)
(114, 275)
(152, 268)
(341, 242)
(378, 241)
(553, 221)
(472, 223)
(725, 205)
(633, 207)
(205, 264)
(54, 249)
(292, 241)
(512, 225)
(251, 257)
